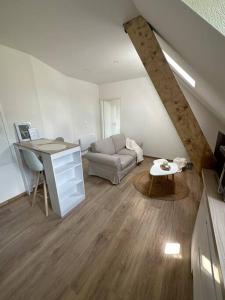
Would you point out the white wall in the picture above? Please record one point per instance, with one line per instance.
(208, 121)
(61, 106)
(10, 178)
(203, 90)
(18, 96)
(144, 117)
(18, 102)
(54, 103)
(85, 109)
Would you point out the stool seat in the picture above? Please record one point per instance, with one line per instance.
(32, 161)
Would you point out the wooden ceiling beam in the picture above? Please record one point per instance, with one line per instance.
(158, 69)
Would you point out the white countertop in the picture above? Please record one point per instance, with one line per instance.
(47, 146)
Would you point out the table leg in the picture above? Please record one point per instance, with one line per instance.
(150, 186)
(173, 177)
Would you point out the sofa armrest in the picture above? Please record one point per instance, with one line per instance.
(104, 159)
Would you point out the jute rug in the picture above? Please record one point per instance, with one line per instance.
(162, 188)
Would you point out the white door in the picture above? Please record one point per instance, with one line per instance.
(110, 112)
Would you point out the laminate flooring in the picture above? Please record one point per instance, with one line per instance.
(110, 247)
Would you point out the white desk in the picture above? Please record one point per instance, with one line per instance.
(64, 172)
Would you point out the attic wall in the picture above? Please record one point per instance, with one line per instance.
(207, 120)
(144, 118)
(32, 91)
(203, 90)
(211, 11)
(171, 95)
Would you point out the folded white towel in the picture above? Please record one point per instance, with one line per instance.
(132, 145)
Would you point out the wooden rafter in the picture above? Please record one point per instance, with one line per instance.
(158, 69)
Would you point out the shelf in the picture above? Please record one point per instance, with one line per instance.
(72, 195)
(68, 187)
(71, 157)
(66, 167)
(69, 182)
(70, 202)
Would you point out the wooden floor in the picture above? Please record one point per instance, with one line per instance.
(111, 247)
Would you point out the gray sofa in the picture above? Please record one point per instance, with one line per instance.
(109, 158)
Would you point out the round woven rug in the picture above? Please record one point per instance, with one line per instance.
(162, 188)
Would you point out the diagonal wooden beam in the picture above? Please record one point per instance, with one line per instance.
(161, 75)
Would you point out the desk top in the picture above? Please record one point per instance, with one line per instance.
(46, 146)
(157, 171)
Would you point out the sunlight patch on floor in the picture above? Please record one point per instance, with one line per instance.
(173, 249)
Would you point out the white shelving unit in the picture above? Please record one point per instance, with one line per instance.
(64, 174)
(68, 174)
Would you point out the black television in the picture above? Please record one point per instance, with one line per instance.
(220, 161)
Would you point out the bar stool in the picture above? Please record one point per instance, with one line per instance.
(35, 165)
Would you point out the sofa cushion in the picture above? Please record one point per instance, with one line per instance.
(105, 146)
(119, 141)
(126, 151)
(125, 160)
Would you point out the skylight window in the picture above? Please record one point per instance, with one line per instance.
(211, 11)
(179, 70)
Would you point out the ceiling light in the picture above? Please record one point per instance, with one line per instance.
(179, 69)
(172, 249)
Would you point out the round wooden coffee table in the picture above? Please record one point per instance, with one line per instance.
(156, 171)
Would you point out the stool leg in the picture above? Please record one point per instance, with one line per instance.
(35, 190)
(45, 197)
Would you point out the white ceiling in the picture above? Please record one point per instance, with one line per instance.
(197, 42)
(85, 38)
(210, 10)
(81, 38)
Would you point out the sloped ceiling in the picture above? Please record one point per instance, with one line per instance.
(200, 45)
(210, 10)
(84, 39)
